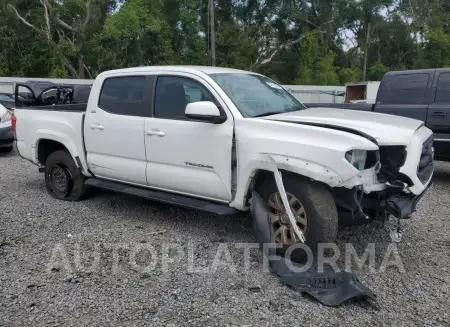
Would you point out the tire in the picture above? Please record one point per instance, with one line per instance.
(61, 169)
(319, 208)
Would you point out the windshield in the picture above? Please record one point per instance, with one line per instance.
(256, 95)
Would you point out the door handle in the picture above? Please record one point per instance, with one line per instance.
(97, 126)
(439, 114)
(156, 132)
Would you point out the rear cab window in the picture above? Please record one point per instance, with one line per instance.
(127, 95)
(408, 89)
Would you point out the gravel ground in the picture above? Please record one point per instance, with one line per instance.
(48, 274)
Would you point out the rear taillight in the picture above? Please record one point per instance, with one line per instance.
(13, 123)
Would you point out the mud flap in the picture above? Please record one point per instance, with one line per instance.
(329, 287)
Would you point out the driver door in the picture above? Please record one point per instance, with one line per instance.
(186, 156)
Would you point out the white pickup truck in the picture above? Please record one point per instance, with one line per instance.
(211, 138)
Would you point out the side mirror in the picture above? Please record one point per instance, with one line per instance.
(205, 111)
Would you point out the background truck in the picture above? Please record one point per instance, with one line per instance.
(419, 94)
(225, 140)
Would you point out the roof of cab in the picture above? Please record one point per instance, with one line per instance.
(418, 71)
(180, 68)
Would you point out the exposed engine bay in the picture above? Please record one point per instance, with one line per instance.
(390, 193)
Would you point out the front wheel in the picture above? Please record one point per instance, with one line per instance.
(63, 179)
(312, 205)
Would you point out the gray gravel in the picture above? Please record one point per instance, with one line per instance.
(38, 291)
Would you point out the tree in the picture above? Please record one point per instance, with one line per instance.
(377, 71)
(437, 48)
(292, 41)
(65, 26)
(348, 75)
(21, 54)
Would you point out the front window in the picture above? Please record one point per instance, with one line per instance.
(173, 93)
(255, 95)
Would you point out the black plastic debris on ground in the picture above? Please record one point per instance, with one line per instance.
(329, 287)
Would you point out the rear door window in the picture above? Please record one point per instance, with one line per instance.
(409, 89)
(443, 89)
(127, 95)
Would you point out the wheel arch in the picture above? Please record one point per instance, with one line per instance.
(266, 164)
(261, 175)
(45, 147)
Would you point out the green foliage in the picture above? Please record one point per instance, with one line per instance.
(326, 71)
(316, 66)
(67, 47)
(4, 69)
(59, 72)
(132, 20)
(309, 56)
(377, 71)
(437, 49)
(348, 75)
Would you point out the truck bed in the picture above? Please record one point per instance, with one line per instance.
(37, 124)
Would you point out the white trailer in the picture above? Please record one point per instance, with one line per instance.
(361, 92)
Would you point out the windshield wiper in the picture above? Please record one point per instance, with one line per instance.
(269, 113)
(278, 112)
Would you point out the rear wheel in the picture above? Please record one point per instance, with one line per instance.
(312, 205)
(63, 179)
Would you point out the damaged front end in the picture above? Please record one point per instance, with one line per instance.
(383, 188)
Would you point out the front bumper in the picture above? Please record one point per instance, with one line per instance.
(403, 206)
(6, 137)
(416, 151)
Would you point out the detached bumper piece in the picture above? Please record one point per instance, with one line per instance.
(403, 207)
(329, 287)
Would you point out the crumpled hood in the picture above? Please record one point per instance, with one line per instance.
(386, 129)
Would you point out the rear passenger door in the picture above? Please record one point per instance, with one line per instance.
(439, 112)
(186, 156)
(114, 128)
(406, 94)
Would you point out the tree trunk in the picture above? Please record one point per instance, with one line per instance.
(80, 61)
(213, 34)
(366, 51)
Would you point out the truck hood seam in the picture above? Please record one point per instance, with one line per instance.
(331, 126)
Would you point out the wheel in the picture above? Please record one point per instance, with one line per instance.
(63, 179)
(312, 205)
(6, 150)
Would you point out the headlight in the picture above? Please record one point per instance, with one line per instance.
(363, 159)
(6, 117)
(357, 158)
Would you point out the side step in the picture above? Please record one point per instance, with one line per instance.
(164, 197)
